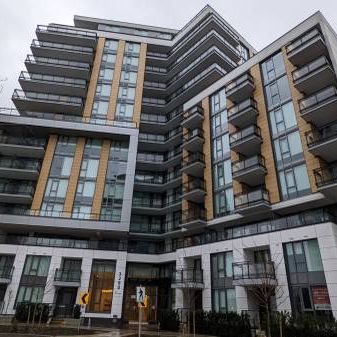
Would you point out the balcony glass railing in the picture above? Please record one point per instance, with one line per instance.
(37, 96)
(160, 228)
(66, 47)
(6, 272)
(53, 79)
(56, 62)
(194, 214)
(21, 164)
(251, 162)
(190, 134)
(247, 199)
(310, 68)
(194, 184)
(26, 141)
(196, 110)
(67, 275)
(188, 275)
(320, 97)
(191, 158)
(236, 109)
(253, 130)
(321, 135)
(313, 34)
(154, 101)
(251, 270)
(239, 81)
(154, 85)
(155, 203)
(153, 69)
(326, 175)
(17, 188)
(64, 30)
(156, 179)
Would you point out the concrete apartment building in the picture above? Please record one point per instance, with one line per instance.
(181, 160)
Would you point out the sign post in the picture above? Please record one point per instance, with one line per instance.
(141, 299)
(84, 298)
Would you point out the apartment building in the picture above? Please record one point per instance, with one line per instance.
(181, 160)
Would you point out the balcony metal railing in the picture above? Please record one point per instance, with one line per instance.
(67, 275)
(194, 214)
(252, 271)
(247, 199)
(196, 110)
(191, 158)
(28, 95)
(188, 275)
(26, 141)
(20, 163)
(56, 62)
(64, 30)
(53, 79)
(238, 108)
(255, 161)
(237, 82)
(66, 47)
(326, 175)
(6, 272)
(303, 40)
(190, 134)
(310, 68)
(317, 136)
(320, 97)
(194, 184)
(244, 133)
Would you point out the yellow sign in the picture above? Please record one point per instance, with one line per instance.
(144, 303)
(84, 297)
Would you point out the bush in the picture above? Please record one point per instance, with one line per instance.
(169, 320)
(221, 324)
(35, 311)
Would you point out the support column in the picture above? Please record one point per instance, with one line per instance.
(85, 276)
(207, 291)
(118, 291)
(49, 290)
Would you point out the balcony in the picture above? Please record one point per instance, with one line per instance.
(246, 141)
(326, 181)
(16, 192)
(155, 206)
(67, 277)
(194, 190)
(19, 168)
(314, 76)
(193, 164)
(6, 274)
(193, 140)
(193, 118)
(243, 114)
(62, 51)
(22, 146)
(40, 102)
(320, 108)
(66, 35)
(323, 142)
(57, 67)
(52, 84)
(194, 217)
(156, 182)
(306, 49)
(252, 274)
(250, 171)
(241, 88)
(188, 278)
(158, 161)
(252, 202)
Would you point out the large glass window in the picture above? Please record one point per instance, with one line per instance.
(222, 174)
(224, 300)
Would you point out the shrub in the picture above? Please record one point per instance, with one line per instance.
(169, 320)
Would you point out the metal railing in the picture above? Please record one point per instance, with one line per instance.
(254, 161)
(188, 275)
(190, 134)
(238, 108)
(191, 158)
(317, 136)
(253, 130)
(246, 199)
(195, 110)
(313, 34)
(194, 184)
(326, 175)
(67, 275)
(319, 97)
(193, 214)
(63, 30)
(310, 68)
(252, 270)
(235, 84)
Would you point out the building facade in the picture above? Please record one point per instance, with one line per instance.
(183, 161)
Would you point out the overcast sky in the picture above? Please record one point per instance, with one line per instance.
(259, 21)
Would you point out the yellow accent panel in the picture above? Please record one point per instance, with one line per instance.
(140, 82)
(208, 159)
(44, 173)
(115, 80)
(303, 126)
(266, 146)
(74, 175)
(94, 78)
(100, 181)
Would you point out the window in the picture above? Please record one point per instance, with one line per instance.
(131, 61)
(127, 93)
(128, 77)
(224, 202)
(223, 174)
(278, 92)
(111, 45)
(221, 147)
(273, 68)
(103, 90)
(30, 294)
(218, 101)
(132, 48)
(224, 300)
(283, 118)
(219, 123)
(109, 58)
(124, 111)
(36, 265)
(106, 74)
